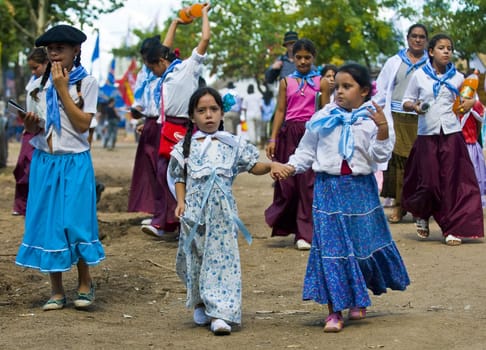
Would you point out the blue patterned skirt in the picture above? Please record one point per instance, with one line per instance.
(352, 248)
(61, 226)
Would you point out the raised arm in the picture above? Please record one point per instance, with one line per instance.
(206, 32)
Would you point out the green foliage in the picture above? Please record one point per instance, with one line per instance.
(465, 22)
(247, 35)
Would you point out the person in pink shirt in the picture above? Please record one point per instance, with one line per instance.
(291, 210)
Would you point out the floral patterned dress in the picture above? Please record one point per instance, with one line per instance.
(208, 260)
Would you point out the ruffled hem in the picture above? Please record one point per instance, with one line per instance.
(344, 281)
(60, 260)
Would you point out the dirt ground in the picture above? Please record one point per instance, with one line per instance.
(141, 302)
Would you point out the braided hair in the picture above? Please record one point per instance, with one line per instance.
(45, 77)
(193, 101)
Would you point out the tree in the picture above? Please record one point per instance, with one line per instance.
(246, 35)
(466, 23)
(22, 21)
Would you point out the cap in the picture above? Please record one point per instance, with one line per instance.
(290, 37)
(62, 33)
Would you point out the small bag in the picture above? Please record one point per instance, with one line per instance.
(171, 134)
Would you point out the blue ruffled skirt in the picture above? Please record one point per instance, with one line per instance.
(61, 225)
(352, 248)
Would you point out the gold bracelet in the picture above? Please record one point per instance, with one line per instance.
(382, 123)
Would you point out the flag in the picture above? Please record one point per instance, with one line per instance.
(127, 83)
(110, 79)
(96, 51)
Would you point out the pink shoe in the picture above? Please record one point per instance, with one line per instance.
(334, 323)
(357, 313)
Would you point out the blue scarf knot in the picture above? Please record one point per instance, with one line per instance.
(305, 78)
(158, 88)
(339, 116)
(411, 66)
(149, 77)
(450, 72)
(53, 116)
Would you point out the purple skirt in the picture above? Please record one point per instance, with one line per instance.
(21, 173)
(165, 203)
(477, 158)
(291, 210)
(440, 181)
(144, 179)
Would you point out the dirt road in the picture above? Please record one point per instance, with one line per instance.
(140, 301)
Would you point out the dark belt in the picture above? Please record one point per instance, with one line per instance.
(177, 120)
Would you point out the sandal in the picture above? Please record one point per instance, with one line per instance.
(452, 240)
(397, 215)
(334, 323)
(422, 226)
(357, 313)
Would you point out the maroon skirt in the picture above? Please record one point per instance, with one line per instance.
(440, 181)
(144, 179)
(21, 173)
(165, 203)
(291, 210)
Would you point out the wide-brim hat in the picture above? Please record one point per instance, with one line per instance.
(290, 37)
(62, 33)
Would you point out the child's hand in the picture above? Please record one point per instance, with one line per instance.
(206, 7)
(378, 116)
(60, 75)
(466, 105)
(31, 122)
(281, 171)
(179, 210)
(270, 149)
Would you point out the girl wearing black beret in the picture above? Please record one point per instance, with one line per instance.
(61, 227)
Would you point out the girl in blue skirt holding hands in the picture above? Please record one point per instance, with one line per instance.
(352, 248)
(61, 227)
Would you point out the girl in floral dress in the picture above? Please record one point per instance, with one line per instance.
(204, 166)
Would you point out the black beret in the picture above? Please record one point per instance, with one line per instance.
(62, 33)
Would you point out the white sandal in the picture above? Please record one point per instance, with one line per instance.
(452, 240)
(422, 226)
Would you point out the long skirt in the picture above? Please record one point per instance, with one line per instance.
(61, 226)
(440, 181)
(21, 173)
(352, 248)
(164, 215)
(144, 179)
(405, 126)
(291, 210)
(477, 158)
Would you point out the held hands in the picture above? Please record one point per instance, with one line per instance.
(279, 171)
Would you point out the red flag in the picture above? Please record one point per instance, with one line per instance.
(126, 83)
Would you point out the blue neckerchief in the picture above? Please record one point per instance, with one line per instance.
(339, 116)
(411, 66)
(158, 88)
(304, 78)
(149, 77)
(450, 72)
(53, 116)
